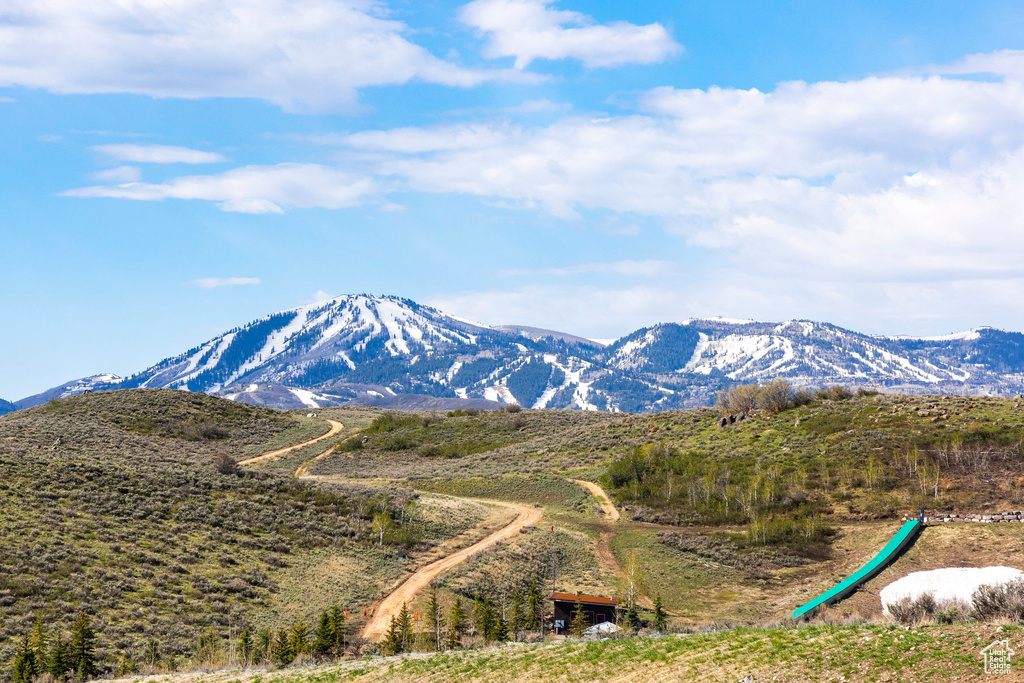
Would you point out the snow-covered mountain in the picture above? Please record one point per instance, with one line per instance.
(78, 386)
(394, 352)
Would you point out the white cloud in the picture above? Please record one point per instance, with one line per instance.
(531, 29)
(252, 189)
(629, 268)
(900, 191)
(1000, 63)
(120, 174)
(896, 178)
(213, 282)
(7, 100)
(913, 308)
(309, 55)
(158, 154)
(49, 137)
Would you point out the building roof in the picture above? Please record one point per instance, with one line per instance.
(585, 599)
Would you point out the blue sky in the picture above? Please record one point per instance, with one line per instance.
(170, 170)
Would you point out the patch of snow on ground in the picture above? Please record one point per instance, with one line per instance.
(305, 396)
(371, 392)
(601, 629)
(461, 393)
(251, 388)
(953, 583)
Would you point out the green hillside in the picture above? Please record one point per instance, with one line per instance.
(126, 506)
(114, 506)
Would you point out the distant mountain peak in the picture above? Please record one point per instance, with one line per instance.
(395, 352)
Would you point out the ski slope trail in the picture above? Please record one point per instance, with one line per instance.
(335, 428)
(377, 626)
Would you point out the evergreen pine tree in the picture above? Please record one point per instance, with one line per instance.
(477, 614)
(324, 640)
(660, 618)
(83, 648)
(517, 620)
(456, 625)
(631, 618)
(404, 628)
(500, 628)
(393, 640)
(59, 662)
(535, 605)
(435, 618)
(338, 627)
(300, 638)
(281, 651)
(37, 641)
(579, 621)
(245, 646)
(24, 667)
(488, 623)
(261, 651)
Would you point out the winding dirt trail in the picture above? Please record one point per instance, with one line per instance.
(526, 515)
(377, 626)
(335, 428)
(610, 511)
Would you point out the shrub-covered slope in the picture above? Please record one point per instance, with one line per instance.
(113, 507)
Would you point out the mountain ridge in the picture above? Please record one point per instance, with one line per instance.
(394, 352)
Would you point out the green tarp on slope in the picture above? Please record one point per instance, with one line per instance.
(902, 539)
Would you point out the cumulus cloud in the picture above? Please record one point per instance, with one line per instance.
(213, 282)
(310, 55)
(895, 178)
(902, 189)
(532, 29)
(252, 189)
(158, 154)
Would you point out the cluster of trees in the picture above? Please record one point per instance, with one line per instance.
(280, 647)
(778, 394)
(61, 659)
(447, 630)
(773, 397)
(658, 474)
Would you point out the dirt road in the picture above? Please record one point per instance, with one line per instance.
(610, 510)
(377, 626)
(335, 428)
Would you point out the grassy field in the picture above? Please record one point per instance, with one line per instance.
(113, 506)
(815, 653)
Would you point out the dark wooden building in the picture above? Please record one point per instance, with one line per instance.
(597, 609)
